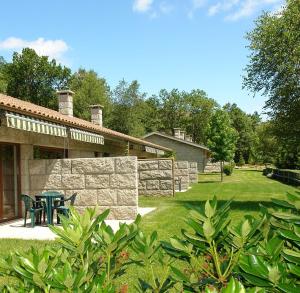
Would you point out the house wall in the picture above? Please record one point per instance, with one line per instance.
(105, 182)
(193, 172)
(76, 149)
(182, 174)
(184, 152)
(156, 177)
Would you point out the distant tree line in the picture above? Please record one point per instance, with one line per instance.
(231, 133)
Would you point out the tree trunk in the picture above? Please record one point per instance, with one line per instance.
(221, 170)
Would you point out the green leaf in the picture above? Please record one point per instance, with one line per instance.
(177, 244)
(256, 281)
(289, 235)
(282, 203)
(209, 210)
(246, 228)
(294, 269)
(208, 230)
(179, 275)
(289, 288)
(285, 216)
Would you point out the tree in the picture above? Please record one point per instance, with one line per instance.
(153, 115)
(274, 70)
(190, 111)
(221, 138)
(3, 83)
(173, 109)
(199, 109)
(128, 109)
(265, 145)
(90, 89)
(34, 78)
(245, 126)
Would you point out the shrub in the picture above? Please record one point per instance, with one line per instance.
(89, 257)
(212, 255)
(241, 161)
(228, 169)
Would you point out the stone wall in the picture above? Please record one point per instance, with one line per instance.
(156, 177)
(181, 173)
(193, 172)
(212, 167)
(106, 182)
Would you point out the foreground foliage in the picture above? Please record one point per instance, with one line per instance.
(212, 255)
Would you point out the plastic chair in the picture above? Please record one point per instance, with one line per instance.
(61, 208)
(33, 207)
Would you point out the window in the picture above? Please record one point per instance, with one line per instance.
(49, 153)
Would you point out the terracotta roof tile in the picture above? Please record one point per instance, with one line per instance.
(27, 108)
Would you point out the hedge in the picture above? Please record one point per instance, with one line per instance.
(284, 175)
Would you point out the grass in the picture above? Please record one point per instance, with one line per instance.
(248, 188)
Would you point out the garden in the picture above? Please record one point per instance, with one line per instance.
(249, 237)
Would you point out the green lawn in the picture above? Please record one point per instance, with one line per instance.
(247, 187)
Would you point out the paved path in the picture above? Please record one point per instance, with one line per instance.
(16, 229)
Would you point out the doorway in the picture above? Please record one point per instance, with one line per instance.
(9, 182)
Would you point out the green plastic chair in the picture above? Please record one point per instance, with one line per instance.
(60, 207)
(35, 208)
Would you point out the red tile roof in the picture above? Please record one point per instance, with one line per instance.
(27, 108)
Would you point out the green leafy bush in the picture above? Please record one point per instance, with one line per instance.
(228, 169)
(211, 255)
(241, 161)
(89, 257)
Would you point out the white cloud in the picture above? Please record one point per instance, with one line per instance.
(196, 4)
(142, 5)
(222, 6)
(52, 48)
(249, 7)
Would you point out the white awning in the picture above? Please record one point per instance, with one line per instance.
(26, 123)
(154, 150)
(86, 136)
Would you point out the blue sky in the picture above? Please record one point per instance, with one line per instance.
(182, 44)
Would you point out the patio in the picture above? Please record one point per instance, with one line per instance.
(16, 229)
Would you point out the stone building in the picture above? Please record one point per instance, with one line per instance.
(29, 132)
(182, 145)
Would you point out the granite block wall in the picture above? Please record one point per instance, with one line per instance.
(181, 173)
(156, 177)
(107, 182)
(193, 172)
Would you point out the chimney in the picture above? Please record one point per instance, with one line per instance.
(182, 134)
(177, 132)
(65, 102)
(96, 114)
(188, 137)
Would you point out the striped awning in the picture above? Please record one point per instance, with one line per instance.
(26, 123)
(86, 136)
(154, 150)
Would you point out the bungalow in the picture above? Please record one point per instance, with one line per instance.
(29, 132)
(182, 145)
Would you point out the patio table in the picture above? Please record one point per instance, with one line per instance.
(50, 196)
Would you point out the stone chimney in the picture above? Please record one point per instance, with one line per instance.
(177, 132)
(182, 134)
(96, 114)
(188, 137)
(65, 102)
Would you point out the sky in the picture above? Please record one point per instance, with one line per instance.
(183, 44)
